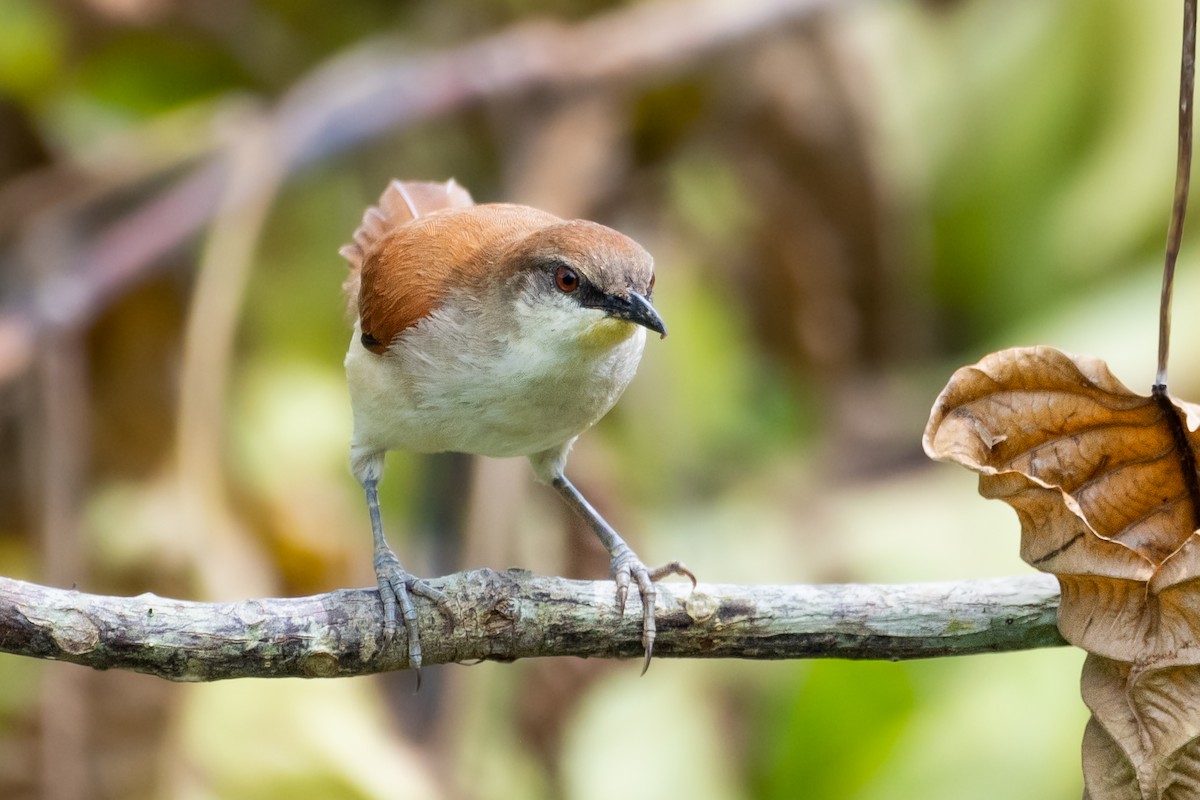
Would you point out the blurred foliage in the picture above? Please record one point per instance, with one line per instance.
(867, 704)
(841, 210)
(31, 48)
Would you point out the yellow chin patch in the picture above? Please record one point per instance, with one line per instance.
(608, 332)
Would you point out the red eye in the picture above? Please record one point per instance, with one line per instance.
(566, 279)
(650, 288)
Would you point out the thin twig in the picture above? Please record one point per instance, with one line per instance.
(1183, 175)
(510, 615)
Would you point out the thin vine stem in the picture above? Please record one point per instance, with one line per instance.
(1183, 173)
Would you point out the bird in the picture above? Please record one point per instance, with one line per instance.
(498, 330)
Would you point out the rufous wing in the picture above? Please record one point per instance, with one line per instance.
(401, 203)
(409, 272)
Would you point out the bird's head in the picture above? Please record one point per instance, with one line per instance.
(586, 282)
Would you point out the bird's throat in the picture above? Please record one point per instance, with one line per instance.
(608, 332)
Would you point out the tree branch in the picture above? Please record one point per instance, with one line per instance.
(510, 615)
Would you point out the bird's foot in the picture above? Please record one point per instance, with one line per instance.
(396, 587)
(627, 568)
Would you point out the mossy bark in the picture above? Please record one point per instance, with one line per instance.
(502, 616)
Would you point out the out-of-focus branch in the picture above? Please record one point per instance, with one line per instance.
(378, 88)
(66, 709)
(206, 523)
(510, 615)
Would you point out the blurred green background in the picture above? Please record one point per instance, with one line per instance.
(844, 206)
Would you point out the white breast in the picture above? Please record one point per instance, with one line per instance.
(455, 382)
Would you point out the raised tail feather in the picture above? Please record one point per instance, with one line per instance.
(401, 203)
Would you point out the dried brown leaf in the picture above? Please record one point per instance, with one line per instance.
(1144, 736)
(1103, 481)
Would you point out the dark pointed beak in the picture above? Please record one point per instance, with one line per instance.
(635, 309)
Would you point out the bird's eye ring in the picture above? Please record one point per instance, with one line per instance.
(566, 279)
(650, 288)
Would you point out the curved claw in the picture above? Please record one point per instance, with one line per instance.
(622, 579)
(649, 602)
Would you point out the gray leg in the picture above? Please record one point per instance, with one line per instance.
(396, 584)
(626, 566)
